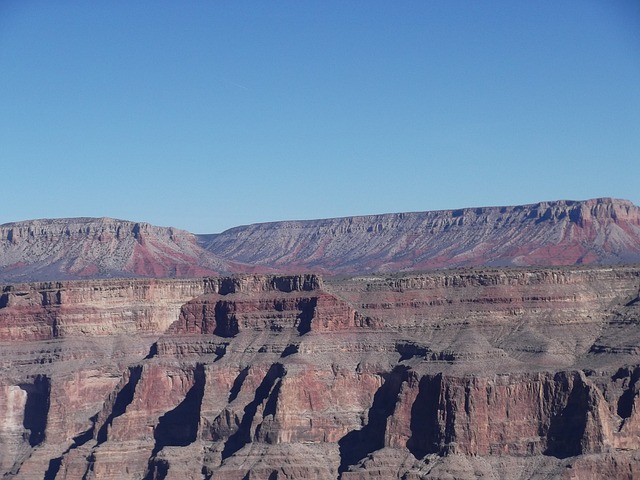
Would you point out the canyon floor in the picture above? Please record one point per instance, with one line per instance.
(525, 373)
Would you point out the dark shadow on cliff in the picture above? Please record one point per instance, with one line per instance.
(237, 384)
(357, 444)
(626, 400)
(226, 320)
(425, 430)
(123, 399)
(567, 428)
(289, 350)
(179, 427)
(242, 436)
(36, 409)
(157, 469)
(307, 312)
(153, 351)
(78, 441)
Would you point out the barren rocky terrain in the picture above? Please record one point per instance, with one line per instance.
(59, 249)
(501, 373)
(598, 231)
(592, 232)
(276, 351)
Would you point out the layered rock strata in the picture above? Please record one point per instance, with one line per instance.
(592, 232)
(598, 231)
(76, 248)
(505, 373)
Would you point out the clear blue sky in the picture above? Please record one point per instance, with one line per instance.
(205, 115)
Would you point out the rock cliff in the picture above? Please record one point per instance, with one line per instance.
(491, 373)
(102, 247)
(599, 231)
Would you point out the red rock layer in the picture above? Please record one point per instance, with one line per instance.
(441, 375)
(599, 231)
(102, 248)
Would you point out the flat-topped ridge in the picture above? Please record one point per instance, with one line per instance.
(598, 231)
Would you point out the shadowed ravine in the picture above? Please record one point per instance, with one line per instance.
(466, 373)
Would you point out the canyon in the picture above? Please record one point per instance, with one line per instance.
(492, 342)
(600, 231)
(527, 372)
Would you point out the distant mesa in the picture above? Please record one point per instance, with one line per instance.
(598, 231)
(102, 248)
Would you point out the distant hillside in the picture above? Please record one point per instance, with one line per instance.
(599, 231)
(102, 247)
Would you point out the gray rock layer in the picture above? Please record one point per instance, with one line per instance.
(529, 373)
(599, 231)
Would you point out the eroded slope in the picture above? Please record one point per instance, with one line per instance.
(506, 373)
(598, 231)
(76, 248)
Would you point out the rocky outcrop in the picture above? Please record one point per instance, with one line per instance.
(102, 247)
(599, 231)
(53, 310)
(503, 373)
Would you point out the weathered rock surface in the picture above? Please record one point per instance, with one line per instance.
(102, 247)
(493, 373)
(599, 231)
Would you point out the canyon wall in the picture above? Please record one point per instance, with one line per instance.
(598, 231)
(76, 248)
(601, 231)
(495, 373)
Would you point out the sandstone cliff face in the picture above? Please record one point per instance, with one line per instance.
(599, 231)
(50, 310)
(505, 373)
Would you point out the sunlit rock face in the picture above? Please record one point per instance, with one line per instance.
(77, 248)
(598, 231)
(601, 231)
(502, 373)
